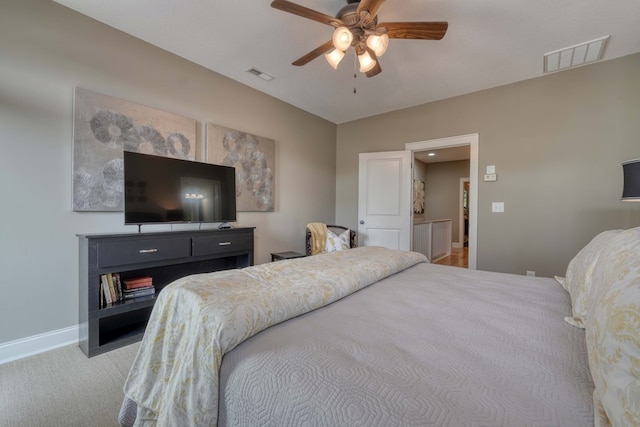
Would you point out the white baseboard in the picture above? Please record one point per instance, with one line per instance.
(18, 349)
(456, 245)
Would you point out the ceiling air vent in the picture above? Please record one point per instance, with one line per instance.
(258, 73)
(574, 56)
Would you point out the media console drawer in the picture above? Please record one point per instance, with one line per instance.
(142, 250)
(222, 242)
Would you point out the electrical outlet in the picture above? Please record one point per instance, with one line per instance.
(531, 273)
(497, 207)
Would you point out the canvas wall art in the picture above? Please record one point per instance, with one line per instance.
(103, 127)
(254, 160)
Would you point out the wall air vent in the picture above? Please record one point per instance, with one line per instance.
(258, 73)
(575, 56)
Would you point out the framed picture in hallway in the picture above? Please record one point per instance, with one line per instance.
(418, 196)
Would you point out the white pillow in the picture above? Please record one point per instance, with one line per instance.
(337, 243)
(613, 331)
(579, 276)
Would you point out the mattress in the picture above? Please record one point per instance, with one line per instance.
(431, 345)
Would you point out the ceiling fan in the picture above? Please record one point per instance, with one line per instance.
(356, 24)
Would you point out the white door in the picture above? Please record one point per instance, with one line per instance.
(384, 199)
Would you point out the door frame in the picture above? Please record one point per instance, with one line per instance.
(473, 141)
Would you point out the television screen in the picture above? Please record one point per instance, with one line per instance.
(162, 189)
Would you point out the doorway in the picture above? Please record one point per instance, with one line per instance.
(463, 215)
(472, 141)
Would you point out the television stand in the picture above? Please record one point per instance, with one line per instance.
(164, 257)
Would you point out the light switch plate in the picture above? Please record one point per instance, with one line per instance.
(497, 207)
(491, 169)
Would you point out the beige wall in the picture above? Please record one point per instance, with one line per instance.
(557, 143)
(46, 50)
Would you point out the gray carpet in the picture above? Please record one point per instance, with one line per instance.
(63, 387)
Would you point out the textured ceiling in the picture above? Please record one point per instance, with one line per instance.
(489, 43)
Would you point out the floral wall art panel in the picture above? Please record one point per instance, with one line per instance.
(103, 127)
(418, 196)
(254, 160)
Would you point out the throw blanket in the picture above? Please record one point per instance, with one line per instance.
(318, 236)
(197, 319)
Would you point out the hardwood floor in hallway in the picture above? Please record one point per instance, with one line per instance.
(459, 258)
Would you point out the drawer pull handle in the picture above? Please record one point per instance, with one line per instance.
(224, 244)
(148, 251)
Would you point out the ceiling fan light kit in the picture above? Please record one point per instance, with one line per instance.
(342, 38)
(366, 62)
(356, 25)
(334, 57)
(378, 44)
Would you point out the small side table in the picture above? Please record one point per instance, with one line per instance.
(277, 256)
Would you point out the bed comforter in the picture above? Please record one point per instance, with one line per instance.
(197, 319)
(430, 345)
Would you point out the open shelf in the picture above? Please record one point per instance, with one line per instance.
(123, 326)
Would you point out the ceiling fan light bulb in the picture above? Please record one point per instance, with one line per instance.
(334, 57)
(366, 62)
(342, 38)
(378, 44)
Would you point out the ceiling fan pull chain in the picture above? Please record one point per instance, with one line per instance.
(355, 73)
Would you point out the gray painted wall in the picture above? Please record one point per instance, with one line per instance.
(557, 143)
(46, 50)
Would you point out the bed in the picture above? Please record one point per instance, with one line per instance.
(375, 337)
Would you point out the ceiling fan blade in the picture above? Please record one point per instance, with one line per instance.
(314, 54)
(416, 30)
(305, 12)
(373, 6)
(377, 69)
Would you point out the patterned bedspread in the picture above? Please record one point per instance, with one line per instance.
(430, 346)
(197, 319)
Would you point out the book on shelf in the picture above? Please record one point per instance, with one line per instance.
(139, 292)
(114, 289)
(138, 282)
(118, 285)
(106, 291)
(101, 301)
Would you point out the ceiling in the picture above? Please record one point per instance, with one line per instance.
(489, 43)
(440, 155)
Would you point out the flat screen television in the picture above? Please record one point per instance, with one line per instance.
(166, 190)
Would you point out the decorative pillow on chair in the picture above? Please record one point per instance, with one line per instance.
(337, 242)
